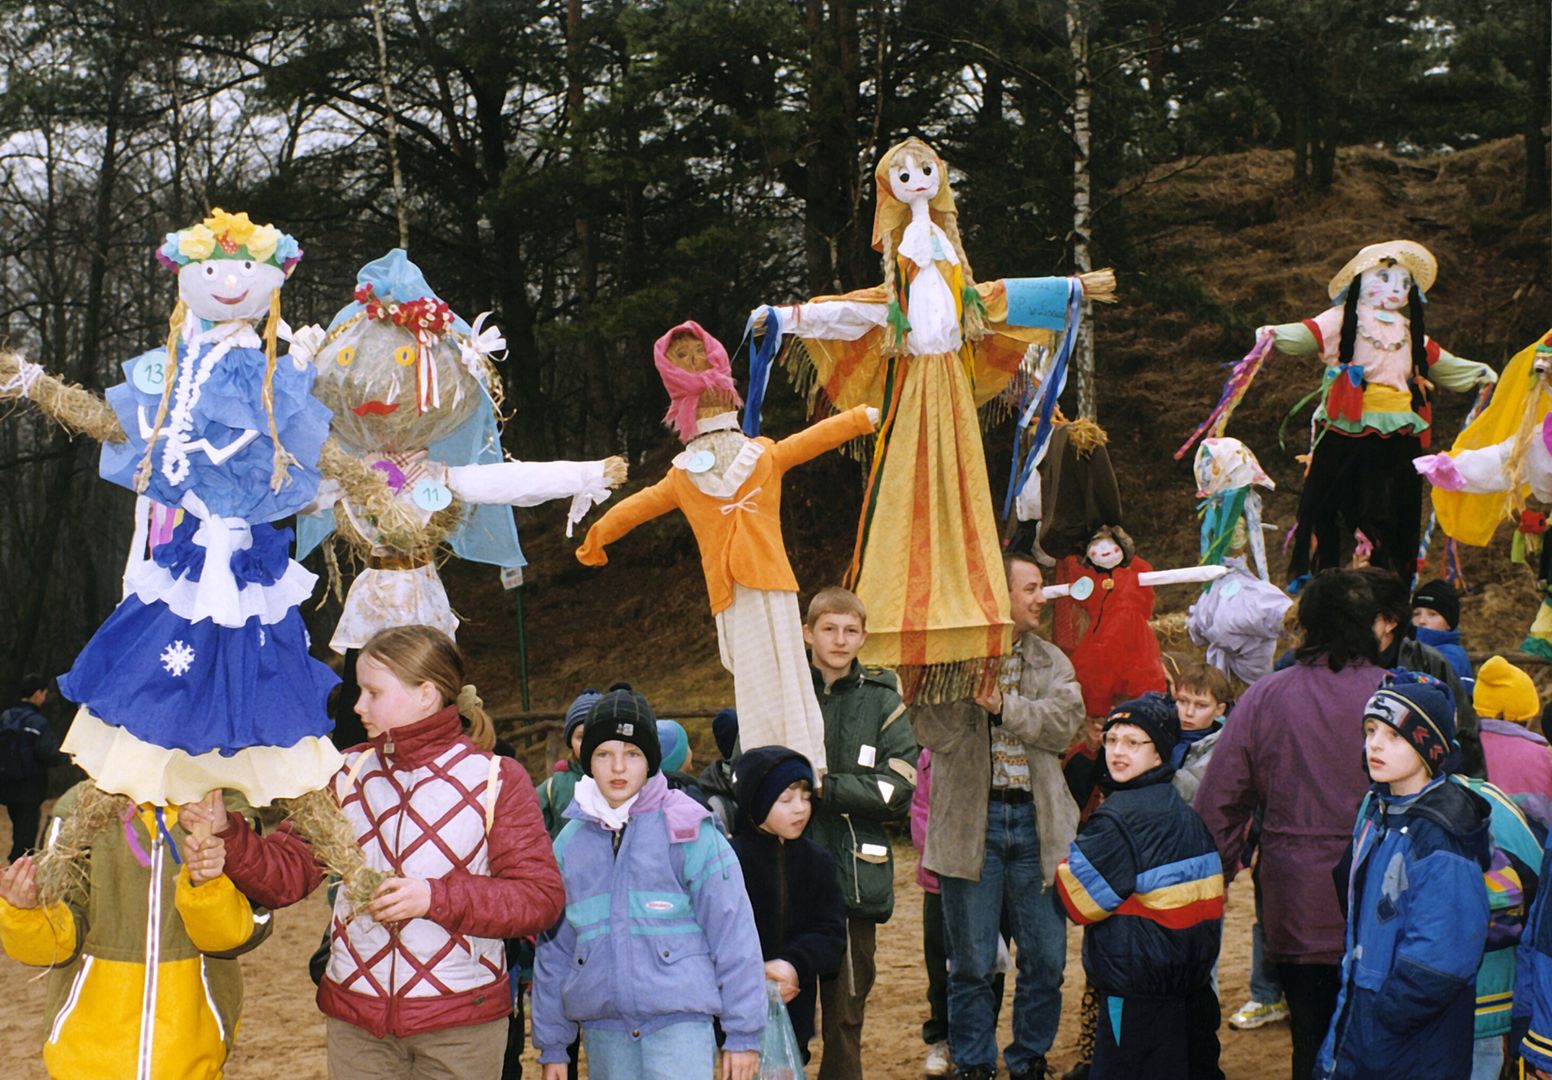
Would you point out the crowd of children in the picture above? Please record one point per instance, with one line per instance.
(677, 914)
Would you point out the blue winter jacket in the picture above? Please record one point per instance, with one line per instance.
(656, 933)
(1417, 915)
(1144, 880)
(1449, 646)
(1531, 1033)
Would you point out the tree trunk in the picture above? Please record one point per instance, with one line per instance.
(34, 599)
(597, 399)
(830, 226)
(1538, 111)
(1082, 180)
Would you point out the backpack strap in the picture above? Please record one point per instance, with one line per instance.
(492, 789)
(352, 773)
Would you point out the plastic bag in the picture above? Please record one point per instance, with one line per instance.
(780, 1056)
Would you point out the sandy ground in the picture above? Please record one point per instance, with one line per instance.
(282, 1030)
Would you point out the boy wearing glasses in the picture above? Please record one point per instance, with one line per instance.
(1144, 880)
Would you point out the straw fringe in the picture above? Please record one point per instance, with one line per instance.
(939, 684)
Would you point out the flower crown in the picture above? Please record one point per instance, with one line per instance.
(229, 236)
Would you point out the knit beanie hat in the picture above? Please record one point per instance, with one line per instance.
(1439, 596)
(724, 728)
(576, 712)
(1154, 713)
(768, 778)
(675, 744)
(1420, 709)
(621, 714)
(1505, 690)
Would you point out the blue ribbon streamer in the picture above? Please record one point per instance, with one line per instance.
(1044, 400)
(161, 827)
(762, 353)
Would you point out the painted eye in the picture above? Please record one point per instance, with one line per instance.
(247, 266)
(404, 355)
(346, 356)
(210, 270)
(905, 178)
(926, 170)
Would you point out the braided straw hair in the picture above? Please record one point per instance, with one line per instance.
(280, 473)
(174, 332)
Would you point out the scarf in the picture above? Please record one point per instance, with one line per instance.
(590, 800)
(686, 387)
(1177, 756)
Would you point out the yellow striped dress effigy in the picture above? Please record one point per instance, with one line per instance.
(928, 562)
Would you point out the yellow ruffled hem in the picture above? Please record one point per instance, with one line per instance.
(121, 764)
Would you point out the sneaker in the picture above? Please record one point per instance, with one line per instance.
(1254, 1014)
(939, 1062)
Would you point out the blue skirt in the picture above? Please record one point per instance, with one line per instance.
(200, 686)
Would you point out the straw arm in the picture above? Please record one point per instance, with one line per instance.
(71, 407)
(367, 489)
(1099, 285)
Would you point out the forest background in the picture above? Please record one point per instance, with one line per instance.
(595, 172)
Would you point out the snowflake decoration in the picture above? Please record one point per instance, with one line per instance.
(177, 658)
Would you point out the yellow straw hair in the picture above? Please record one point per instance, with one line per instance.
(174, 332)
(280, 475)
(973, 321)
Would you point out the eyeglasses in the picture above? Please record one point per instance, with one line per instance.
(1126, 742)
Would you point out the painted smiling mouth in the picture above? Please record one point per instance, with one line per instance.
(374, 408)
(239, 298)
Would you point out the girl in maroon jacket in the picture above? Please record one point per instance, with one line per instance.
(417, 985)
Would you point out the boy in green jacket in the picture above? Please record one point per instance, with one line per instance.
(871, 755)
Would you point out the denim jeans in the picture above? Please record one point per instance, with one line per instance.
(686, 1051)
(972, 914)
(1264, 986)
(1487, 1057)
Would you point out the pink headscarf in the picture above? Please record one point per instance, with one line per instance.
(686, 387)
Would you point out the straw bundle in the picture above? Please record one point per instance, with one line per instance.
(1099, 285)
(368, 492)
(70, 406)
(318, 820)
(62, 866)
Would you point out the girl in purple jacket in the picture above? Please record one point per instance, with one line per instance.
(658, 936)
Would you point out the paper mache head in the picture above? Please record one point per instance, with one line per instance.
(1226, 464)
(227, 266)
(696, 373)
(1386, 273)
(1109, 548)
(398, 368)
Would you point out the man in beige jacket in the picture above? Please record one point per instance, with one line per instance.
(1000, 821)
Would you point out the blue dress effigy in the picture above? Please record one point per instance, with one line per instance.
(201, 677)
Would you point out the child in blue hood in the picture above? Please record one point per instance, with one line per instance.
(1435, 618)
(658, 937)
(1417, 907)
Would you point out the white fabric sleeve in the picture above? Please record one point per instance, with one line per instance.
(529, 483)
(1184, 575)
(1485, 471)
(833, 320)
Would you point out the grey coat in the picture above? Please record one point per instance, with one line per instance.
(1045, 715)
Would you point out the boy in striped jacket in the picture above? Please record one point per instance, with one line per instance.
(1144, 881)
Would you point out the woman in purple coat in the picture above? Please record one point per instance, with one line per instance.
(1291, 749)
